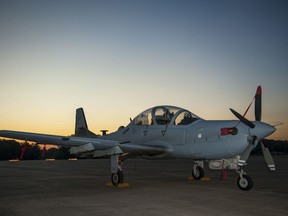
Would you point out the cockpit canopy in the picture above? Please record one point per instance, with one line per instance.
(164, 115)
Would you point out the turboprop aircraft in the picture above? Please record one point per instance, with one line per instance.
(169, 132)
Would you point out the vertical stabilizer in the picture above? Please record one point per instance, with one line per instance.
(81, 127)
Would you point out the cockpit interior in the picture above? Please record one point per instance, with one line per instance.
(165, 115)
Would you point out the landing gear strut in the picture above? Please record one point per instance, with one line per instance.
(198, 170)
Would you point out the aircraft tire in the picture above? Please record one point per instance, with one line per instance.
(245, 183)
(117, 178)
(197, 172)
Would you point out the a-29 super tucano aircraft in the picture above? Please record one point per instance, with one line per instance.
(169, 132)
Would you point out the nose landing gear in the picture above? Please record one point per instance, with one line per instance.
(244, 182)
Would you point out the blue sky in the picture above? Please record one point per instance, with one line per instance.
(118, 58)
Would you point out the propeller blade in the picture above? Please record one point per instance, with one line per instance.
(258, 102)
(244, 157)
(243, 119)
(267, 155)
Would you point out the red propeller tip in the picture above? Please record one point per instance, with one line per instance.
(259, 90)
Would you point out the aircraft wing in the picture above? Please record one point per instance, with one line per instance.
(67, 141)
(98, 147)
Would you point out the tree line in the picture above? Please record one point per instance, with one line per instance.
(275, 147)
(11, 149)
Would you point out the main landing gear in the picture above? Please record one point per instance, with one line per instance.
(117, 175)
(198, 170)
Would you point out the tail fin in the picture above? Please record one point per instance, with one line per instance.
(81, 127)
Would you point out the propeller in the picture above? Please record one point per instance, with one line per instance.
(243, 119)
(245, 155)
(258, 106)
(261, 129)
(267, 155)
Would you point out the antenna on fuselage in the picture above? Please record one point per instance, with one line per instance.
(104, 132)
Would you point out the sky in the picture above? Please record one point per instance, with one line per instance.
(118, 58)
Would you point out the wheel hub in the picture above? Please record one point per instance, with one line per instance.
(243, 182)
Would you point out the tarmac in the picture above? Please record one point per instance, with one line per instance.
(157, 188)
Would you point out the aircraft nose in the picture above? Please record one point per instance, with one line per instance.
(262, 130)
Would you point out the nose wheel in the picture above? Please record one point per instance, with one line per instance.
(244, 182)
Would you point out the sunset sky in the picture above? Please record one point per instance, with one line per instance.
(118, 58)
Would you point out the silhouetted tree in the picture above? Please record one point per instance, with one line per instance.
(275, 146)
(9, 149)
(58, 153)
(33, 152)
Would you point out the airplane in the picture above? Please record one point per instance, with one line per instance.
(169, 132)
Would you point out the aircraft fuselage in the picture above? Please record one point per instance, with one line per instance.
(199, 140)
